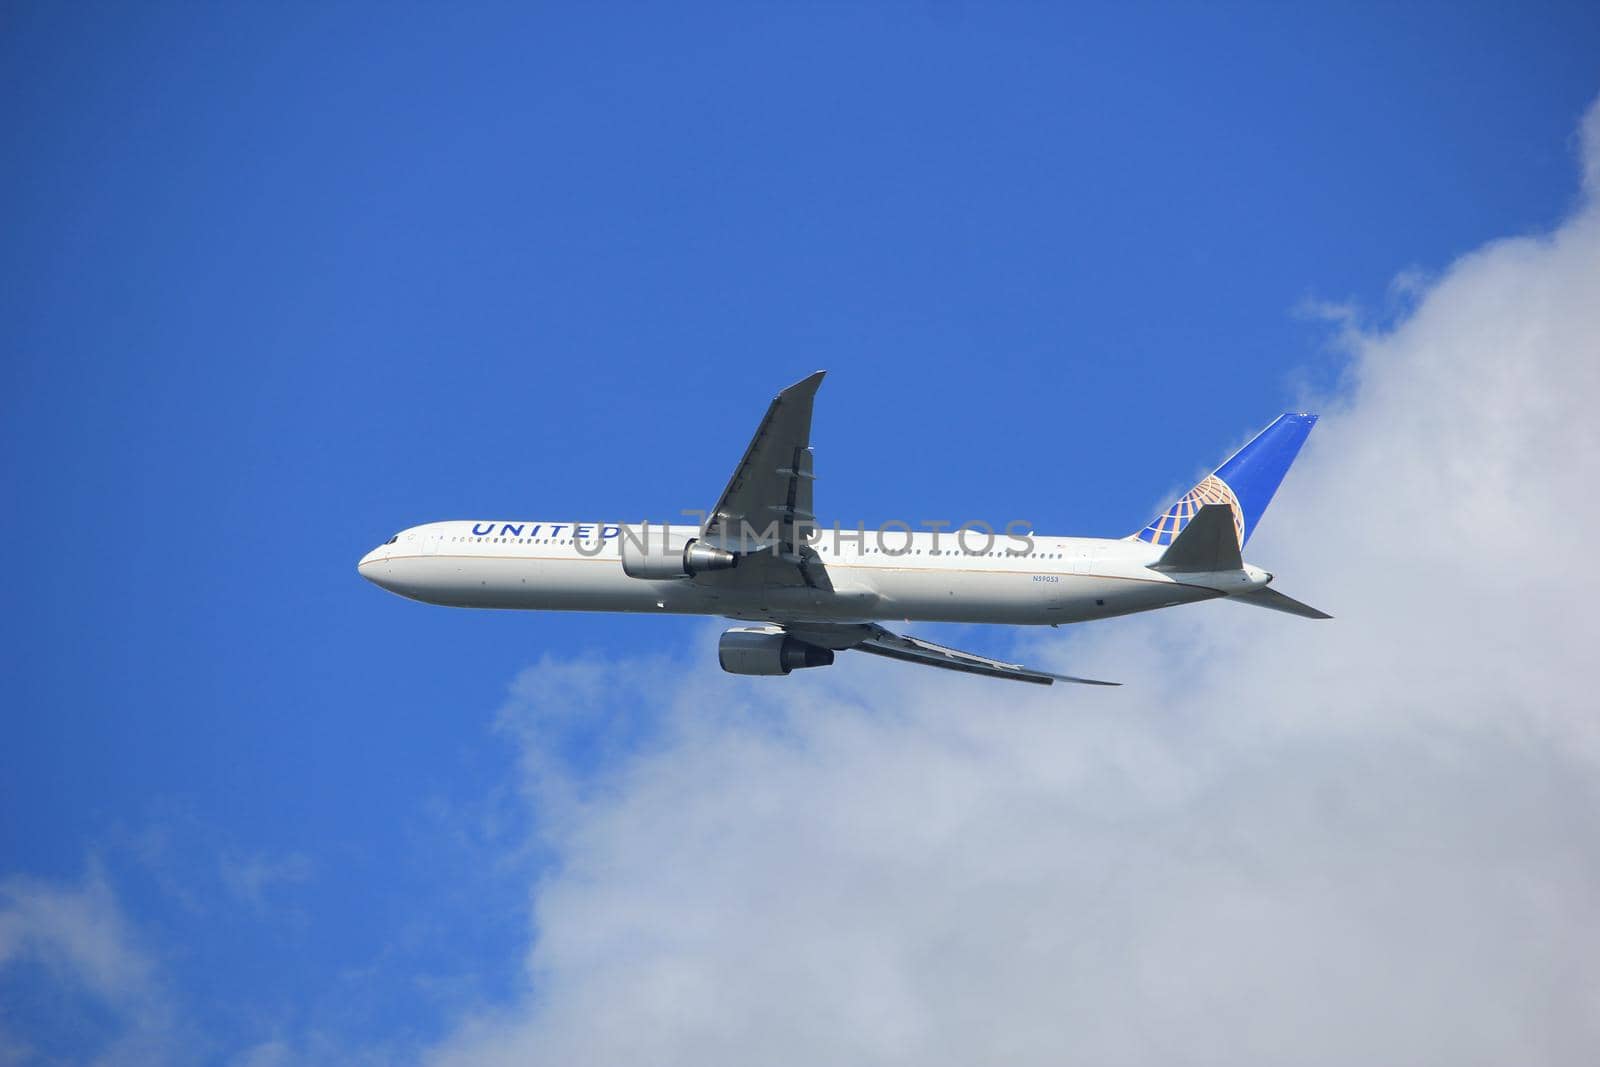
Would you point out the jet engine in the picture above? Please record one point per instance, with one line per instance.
(656, 552)
(759, 650)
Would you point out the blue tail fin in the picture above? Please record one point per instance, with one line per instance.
(1245, 482)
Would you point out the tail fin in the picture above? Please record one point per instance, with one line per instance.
(1245, 482)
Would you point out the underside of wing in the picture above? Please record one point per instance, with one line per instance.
(874, 639)
(767, 503)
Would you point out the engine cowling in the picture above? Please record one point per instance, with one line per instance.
(656, 552)
(757, 650)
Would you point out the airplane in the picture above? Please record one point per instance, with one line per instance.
(807, 592)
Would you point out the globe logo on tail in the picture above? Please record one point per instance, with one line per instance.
(1164, 529)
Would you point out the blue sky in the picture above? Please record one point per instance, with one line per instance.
(281, 282)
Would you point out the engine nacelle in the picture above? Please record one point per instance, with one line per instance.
(656, 552)
(757, 650)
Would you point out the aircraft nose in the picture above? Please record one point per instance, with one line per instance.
(382, 569)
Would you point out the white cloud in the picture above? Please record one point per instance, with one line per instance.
(251, 878)
(78, 929)
(1373, 839)
(80, 938)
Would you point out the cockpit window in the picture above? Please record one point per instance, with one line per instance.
(392, 540)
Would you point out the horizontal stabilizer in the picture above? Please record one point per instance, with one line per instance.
(1266, 597)
(1209, 542)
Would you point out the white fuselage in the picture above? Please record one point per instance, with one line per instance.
(936, 578)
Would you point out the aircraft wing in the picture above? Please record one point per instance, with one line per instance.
(874, 639)
(771, 486)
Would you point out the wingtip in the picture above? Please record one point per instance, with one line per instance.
(808, 384)
(1081, 681)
